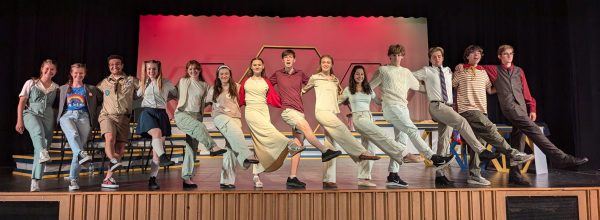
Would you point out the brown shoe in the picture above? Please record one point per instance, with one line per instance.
(329, 185)
(368, 157)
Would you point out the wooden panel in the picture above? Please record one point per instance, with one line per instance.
(480, 203)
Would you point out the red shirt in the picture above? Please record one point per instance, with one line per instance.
(290, 86)
(493, 74)
(272, 97)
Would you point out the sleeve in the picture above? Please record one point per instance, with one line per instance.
(209, 95)
(376, 80)
(488, 82)
(101, 85)
(529, 100)
(136, 82)
(491, 71)
(375, 98)
(273, 79)
(344, 96)
(309, 85)
(139, 92)
(26, 88)
(420, 74)
(99, 99)
(413, 83)
(456, 78)
(242, 94)
(305, 78)
(273, 98)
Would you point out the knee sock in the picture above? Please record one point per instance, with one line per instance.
(157, 146)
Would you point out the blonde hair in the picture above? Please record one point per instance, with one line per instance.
(145, 80)
(503, 48)
(75, 65)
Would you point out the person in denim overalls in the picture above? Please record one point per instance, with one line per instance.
(36, 114)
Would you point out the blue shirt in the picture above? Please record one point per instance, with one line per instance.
(76, 99)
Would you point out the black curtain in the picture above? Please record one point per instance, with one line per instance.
(555, 42)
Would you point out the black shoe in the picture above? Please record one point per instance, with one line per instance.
(488, 155)
(441, 161)
(152, 185)
(330, 154)
(443, 181)
(394, 181)
(295, 183)
(227, 186)
(189, 186)
(217, 153)
(571, 161)
(165, 161)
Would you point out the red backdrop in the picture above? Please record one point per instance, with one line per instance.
(235, 40)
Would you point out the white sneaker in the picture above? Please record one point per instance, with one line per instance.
(84, 158)
(478, 180)
(520, 158)
(44, 156)
(257, 182)
(35, 186)
(366, 183)
(73, 185)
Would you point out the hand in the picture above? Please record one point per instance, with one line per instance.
(459, 68)
(532, 116)
(19, 127)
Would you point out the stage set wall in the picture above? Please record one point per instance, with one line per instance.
(556, 42)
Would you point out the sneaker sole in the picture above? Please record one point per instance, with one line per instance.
(109, 186)
(395, 185)
(473, 182)
(85, 160)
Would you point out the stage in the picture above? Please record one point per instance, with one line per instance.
(421, 200)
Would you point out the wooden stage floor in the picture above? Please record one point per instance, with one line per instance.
(421, 200)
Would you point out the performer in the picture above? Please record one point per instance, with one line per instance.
(36, 114)
(290, 81)
(359, 95)
(79, 105)
(270, 145)
(472, 84)
(188, 117)
(118, 89)
(227, 118)
(519, 107)
(395, 81)
(327, 89)
(154, 121)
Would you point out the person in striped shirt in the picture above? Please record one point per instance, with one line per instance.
(472, 83)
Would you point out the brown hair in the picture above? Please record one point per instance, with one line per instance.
(471, 49)
(288, 52)
(70, 82)
(352, 82)
(194, 63)
(114, 57)
(45, 62)
(249, 72)
(396, 49)
(503, 48)
(145, 81)
(219, 87)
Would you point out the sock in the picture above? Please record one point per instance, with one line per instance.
(157, 146)
(292, 176)
(154, 168)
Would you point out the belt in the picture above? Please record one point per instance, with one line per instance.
(441, 102)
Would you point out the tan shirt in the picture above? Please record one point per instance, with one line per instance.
(471, 85)
(118, 94)
(225, 103)
(326, 92)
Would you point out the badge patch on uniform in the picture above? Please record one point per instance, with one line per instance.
(106, 92)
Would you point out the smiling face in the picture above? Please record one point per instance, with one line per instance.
(257, 67)
(194, 71)
(326, 64)
(78, 74)
(288, 61)
(47, 71)
(359, 75)
(224, 76)
(115, 66)
(152, 70)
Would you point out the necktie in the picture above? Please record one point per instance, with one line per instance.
(443, 85)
